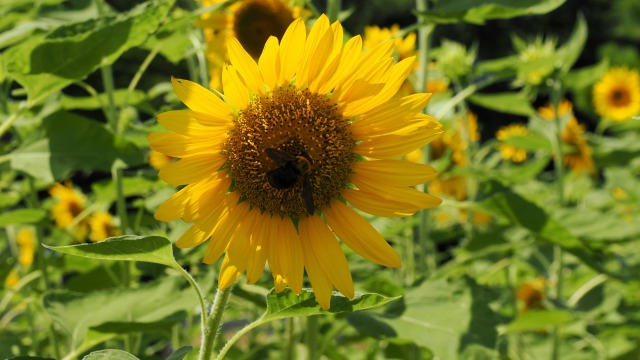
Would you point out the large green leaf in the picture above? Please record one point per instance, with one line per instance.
(288, 304)
(537, 320)
(508, 103)
(22, 216)
(45, 64)
(110, 354)
(479, 11)
(64, 148)
(153, 249)
(447, 317)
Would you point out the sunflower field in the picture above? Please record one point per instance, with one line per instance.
(298, 179)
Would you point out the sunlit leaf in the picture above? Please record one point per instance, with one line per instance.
(110, 354)
(508, 103)
(64, 149)
(479, 11)
(153, 249)
(536, 320)
(288, 304)
(22, 216)
(47, 63)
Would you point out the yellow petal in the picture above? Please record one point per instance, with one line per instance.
(390, 116)
(291, 50)
(394, 172)
(323, 247)
(290, 255)
(365, 85)
(191, 169)
(197, 98)
(207, 199)
(246, 66)
(348, 60)
(229, 274)
(318, 32)
(269, 62)
(234, 89)
(397, 193)
(257, 252)
(359, 235)
(179, 146)
(394, 145)
(375, 205)
(191, 123)
(173, 207)
(228, 223)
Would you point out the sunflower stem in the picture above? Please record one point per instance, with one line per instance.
(558, 262)
(213, 321)
(312, 337)
(143, 67)
(288, 328)
(110, 111)
(6, 125)
(333, 9)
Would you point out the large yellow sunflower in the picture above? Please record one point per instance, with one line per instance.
(617, 95)
(269, 169)
(579, 157)
(252, 22)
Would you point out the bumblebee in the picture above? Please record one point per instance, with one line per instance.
(291, 169)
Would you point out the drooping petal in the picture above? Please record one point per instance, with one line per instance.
(191, 169)
(199, 99)
(378, 206)
(359, 235)
(229, 273)
(394, 172)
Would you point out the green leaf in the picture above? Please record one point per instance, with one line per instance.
(568, 53)
(518, 173)
(45, 64)
(287, 304)
(123, 327)
(172, 40)
(406, 349)
(508, 103)
(22, 216)
(536, 320)
(584, 77)
(532, 142)
(105, 191)
(479, 11)
(110, 354)
(180, 353)
(593, 225)
(121, 97)
(153, 249)
(64, 149)
(446, 317)
(26, 357)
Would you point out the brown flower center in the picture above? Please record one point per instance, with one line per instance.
(256, 20)
(288, 146)
(620, 97)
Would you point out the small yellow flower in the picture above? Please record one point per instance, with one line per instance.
(437, 86)
(26, 241)
(530, 294)
(579, 159)
(457, 137)
(157, 159)
(12, 279)
(454, 186)
(314, 123)
(102, 226)
(617, 95)
(404, 47)
(70, 204)
(252, 22)
(508, 151)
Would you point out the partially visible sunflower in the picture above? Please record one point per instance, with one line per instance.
(102, 226)
(312, 124)
(404, 47)
(70, 204)
(26, 241)
(12, 279)
(579, 159)
(509, 151)
(617, 95)
(252, 22)
(531, 294)
(457, 137)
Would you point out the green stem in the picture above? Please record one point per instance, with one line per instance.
(333, 9)
(143, 67)
(237, 336)
(213, 323)
(110, 112)
(121, 205)
(6, 125)
(196, 288)
(458, 98)
(289, 339)
(312, 337)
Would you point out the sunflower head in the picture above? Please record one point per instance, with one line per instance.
(404, 47)
(102, 226)
(70, 204)
(616, 95)
(269, 170)
(26, 242)
(509, 151)
(531, 294)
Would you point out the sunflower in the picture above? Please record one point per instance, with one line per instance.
(102, 226)
(509, 151)
(269, 169)
(531, 294)
(617, 95)
(404, 47)
(252, 22)
(26, 241)
(70, 205)
(579, 157)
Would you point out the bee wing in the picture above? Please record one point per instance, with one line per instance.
(308, 195)
(278, 156)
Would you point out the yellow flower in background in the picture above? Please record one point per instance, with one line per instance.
(102, 226)
(579, 159)
(311, 124)
(454, 186)
(26, 241)
(12, 279)
(252, 22)
(157, 159)
(617, 95)
(509, 151)
(404, 46)
(457, 137)
(530, 294)
(437, 86)
(70, 204)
